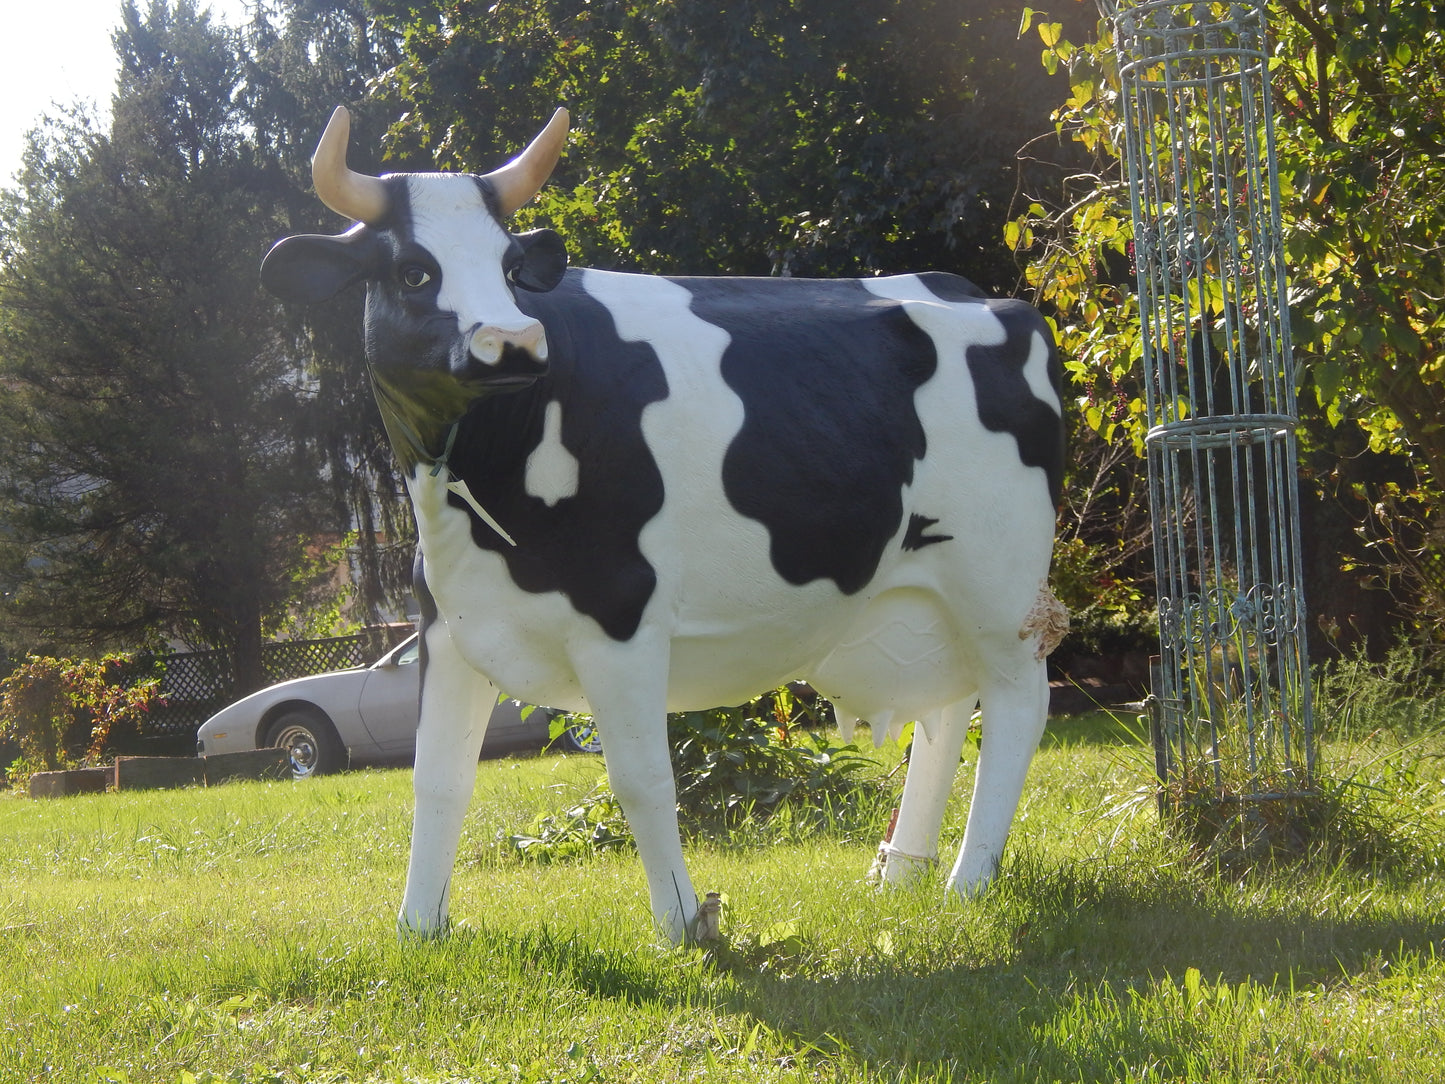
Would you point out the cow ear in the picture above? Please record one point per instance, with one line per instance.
(313, 267)
(543, 263)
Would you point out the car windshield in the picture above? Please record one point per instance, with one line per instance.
(407, 655)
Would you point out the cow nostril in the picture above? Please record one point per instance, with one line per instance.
(487, 347)
(488, 342)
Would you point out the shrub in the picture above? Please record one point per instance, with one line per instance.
(1404, 693)
(734, 766)
(45, 697)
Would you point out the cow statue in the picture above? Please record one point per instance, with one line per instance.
(639, 494)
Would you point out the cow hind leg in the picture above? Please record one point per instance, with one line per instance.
(1015, 710)
(932, 766)
(456, 704)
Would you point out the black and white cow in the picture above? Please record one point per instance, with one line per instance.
(638, 494)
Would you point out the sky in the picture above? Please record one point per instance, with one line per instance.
(60, 51)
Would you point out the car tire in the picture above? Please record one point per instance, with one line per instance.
(582, 737)
(309, 740)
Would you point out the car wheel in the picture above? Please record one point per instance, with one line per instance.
(582, 737)
(309, 740)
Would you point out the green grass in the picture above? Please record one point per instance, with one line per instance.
(246, 933)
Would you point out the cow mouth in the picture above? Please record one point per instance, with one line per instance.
(506, 382)
(513, 367)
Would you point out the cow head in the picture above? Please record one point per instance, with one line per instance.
(441, 270)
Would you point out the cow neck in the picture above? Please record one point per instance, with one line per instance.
(459, 486)
(411, 448)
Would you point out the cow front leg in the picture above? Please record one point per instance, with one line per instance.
(626, 689)
(932, 766)
(456, 705)
(1015, 708)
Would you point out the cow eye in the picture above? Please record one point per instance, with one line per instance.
(414, 277)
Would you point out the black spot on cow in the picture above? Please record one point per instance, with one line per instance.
(826, 372)
(915, 537)
(587, 545)
(1006, 404)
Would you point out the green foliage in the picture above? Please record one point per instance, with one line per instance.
(1076, 241)
(323, 594)
(795, 137)
(300, 59)
(1403, 538)
(1359, 140)
(735, 767)
(172, 438)
(1362, 157)
(739, 763)
(1359, 136)
(1102, 563)
(1359, 145)
(1399, 697)
(156, 461)
(590, 826)
(42, 699)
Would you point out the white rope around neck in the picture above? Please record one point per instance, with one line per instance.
(459, 487)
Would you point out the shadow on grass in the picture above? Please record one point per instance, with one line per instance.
(1058, 998)
(1037, 980)
(567, 958)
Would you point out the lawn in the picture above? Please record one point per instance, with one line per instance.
(246, 933)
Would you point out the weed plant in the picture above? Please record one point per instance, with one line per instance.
(752, 773)
(1402, 695)
(1367, 805)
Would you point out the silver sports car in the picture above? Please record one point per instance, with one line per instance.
(366, 715)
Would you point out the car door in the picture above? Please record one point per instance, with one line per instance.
(390, 701)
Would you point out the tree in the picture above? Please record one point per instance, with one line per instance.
(1359, 94)
(767, 137)
(302, 58)
(160, 472)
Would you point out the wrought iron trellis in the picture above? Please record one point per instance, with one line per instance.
(1232, 690)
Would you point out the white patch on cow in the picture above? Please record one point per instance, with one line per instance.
(450, 220)
(927, 311)
(903, 656)
(1036, 374)
(515, 637)
(986, 579)
(950, 324)
(552, 471)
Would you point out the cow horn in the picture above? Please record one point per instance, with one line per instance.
(522, 178)
(354, 195)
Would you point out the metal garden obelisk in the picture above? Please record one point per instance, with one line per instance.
(1232, 696)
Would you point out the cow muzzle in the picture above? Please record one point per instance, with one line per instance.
(489, 342)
